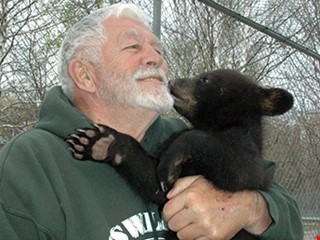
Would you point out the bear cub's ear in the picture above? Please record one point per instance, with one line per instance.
(275, 101)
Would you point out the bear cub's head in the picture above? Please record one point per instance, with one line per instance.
(226, 98)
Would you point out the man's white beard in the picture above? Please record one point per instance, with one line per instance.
(158, 99)
(117, 91)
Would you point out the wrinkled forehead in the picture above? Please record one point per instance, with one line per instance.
(137, 34)
(131, 33)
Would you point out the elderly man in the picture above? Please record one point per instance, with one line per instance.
(112, 73)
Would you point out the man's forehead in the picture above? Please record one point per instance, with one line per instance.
(130, 33)
(136, 34)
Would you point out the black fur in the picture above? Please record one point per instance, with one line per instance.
(225, 144)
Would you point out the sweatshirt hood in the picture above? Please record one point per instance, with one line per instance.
(58, 115)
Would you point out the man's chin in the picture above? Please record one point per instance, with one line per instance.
(157, 104)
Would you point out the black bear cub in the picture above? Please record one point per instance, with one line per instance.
(225, 109)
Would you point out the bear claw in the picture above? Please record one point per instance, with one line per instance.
(164, 186)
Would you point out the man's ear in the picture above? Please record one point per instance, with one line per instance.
(83, 75)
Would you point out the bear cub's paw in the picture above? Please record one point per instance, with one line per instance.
(91, 143)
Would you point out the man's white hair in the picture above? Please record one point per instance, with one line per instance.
(85, 39)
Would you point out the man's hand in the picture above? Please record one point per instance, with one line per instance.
(198, 210)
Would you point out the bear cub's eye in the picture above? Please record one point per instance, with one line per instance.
(205, 80)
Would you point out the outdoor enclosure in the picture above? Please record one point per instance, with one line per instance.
(196, 38)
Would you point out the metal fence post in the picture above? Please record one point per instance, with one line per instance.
(156, 24)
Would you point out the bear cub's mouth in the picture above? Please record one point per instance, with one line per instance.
(176, 97)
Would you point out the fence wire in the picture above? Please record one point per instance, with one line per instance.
(196, 38)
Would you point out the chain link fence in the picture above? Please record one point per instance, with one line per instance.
(196, 38)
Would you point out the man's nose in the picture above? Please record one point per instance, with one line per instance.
(151, 57)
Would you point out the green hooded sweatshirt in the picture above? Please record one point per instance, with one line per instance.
(47, 194)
